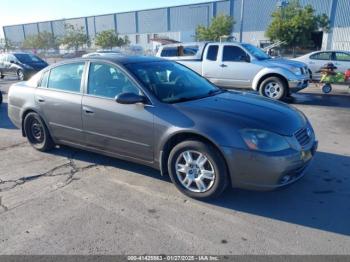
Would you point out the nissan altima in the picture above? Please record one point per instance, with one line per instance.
(164, 115)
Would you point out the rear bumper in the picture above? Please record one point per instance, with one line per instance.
(267, 171)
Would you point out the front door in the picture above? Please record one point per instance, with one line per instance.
(59, 99)
(237, 71)
(126, 130)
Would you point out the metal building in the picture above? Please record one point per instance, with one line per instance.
(179, 22)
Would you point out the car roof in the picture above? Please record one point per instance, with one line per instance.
(121, 60)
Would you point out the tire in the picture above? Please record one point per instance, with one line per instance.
(0, 97)
(37, 133)
(274, 88)
(215, 180)
(327, 88)
(2, 76)
(20, 75)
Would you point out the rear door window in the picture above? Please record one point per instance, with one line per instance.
(340, 56)
(66, 77)
(169, 52)
(212, 52)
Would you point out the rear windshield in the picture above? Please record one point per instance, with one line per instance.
(180, 51)
(28, 58)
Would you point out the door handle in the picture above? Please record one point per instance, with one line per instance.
(88, 110)
(223, 65)
(41, 100)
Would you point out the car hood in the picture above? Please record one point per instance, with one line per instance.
(285, 63)
(247, 111)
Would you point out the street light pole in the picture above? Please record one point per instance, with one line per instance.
(241, 26)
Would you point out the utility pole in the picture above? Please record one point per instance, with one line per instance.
(241, 25)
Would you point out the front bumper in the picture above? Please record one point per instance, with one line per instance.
(295, 85)
(267, 171)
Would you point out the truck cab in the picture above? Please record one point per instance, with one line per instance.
(240, 65)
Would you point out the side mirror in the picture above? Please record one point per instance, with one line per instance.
(129, 99)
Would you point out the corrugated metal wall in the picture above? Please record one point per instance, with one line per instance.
(126, 23)
(223, 8)
(184, 19)
(44, 27)
(14, 33)
(58, 28)
(188, 17)
(153, 21)
(104, 22)
(30, 29)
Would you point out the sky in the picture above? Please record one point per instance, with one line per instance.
(26, 11)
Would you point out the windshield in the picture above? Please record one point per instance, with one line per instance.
(256, 52)
(171, 82)
(28, 58)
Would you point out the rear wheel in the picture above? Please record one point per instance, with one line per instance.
(37, 133)
(20, 75)
(273, 87)
(197, 169)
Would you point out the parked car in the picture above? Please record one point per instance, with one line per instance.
(240, 65)
(134, 109)
(21, 65)
(315, 60)
(103, 53)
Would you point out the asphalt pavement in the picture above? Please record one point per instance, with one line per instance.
(70, 201)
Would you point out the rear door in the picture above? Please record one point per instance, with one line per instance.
(342, 61)
(237, 71)
(316, 61)
(211, 68)
(126, 130)
(59, 98)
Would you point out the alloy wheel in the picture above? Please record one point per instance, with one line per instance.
(195, 171)
(272, 90)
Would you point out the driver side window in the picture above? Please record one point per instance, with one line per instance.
(108, 81)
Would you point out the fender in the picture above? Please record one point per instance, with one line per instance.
(288, 75)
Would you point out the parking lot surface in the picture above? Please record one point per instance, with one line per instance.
(74, 202)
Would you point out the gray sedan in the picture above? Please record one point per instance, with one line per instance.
(164, 115)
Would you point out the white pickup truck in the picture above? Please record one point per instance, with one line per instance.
(240, 65)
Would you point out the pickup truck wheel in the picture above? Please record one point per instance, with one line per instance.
(37, 133)
(197, 169)
(273, 87)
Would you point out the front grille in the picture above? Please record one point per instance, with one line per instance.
(303, 137)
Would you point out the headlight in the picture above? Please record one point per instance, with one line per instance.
(265, 141)
(296, 71)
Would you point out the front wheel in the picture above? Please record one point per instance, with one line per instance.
(37, 133)
(20, 75)
(327, 88)
(198, 170)
(273, 87)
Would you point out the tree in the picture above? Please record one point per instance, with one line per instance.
(74, 37)
(221, 25)
(295, 24)
(109, 39)
(43, 40)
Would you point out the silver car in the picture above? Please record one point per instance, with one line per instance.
(164, 115)
(315, 60)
